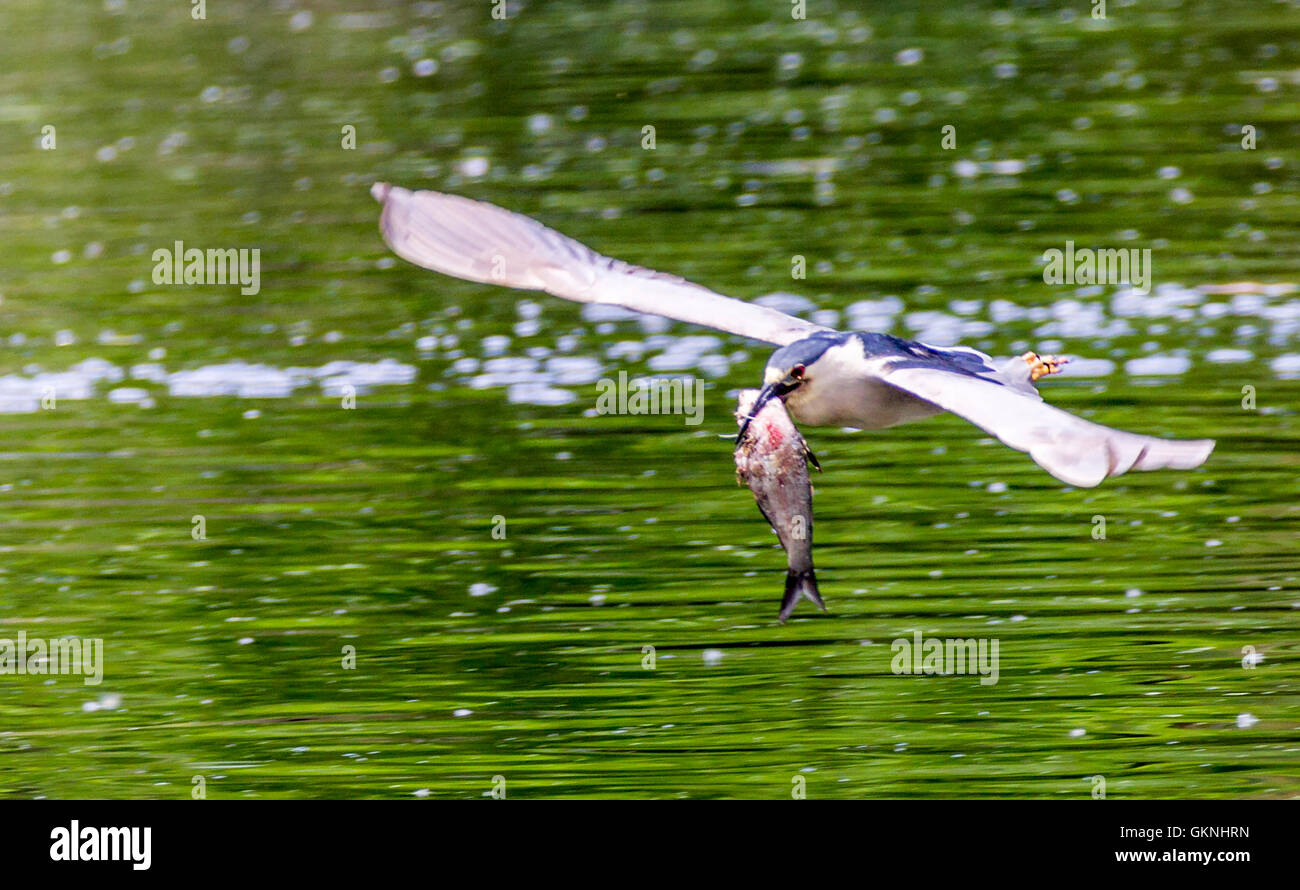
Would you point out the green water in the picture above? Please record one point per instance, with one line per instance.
(525, 657)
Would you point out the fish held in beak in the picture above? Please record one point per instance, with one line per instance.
(770, 391)
(756, 402)
(772, 459)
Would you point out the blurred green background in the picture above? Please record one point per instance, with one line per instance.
(524, 658)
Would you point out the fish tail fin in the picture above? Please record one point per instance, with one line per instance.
(800, 584)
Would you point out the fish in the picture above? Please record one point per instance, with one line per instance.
(772, 459)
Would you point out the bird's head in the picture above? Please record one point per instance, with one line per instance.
(791, 372)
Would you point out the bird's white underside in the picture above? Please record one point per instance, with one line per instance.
(481, 242)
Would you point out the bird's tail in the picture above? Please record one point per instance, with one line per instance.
(800, 584)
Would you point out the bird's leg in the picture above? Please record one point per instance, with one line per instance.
(1042, 365)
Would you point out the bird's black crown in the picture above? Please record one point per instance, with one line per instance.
(806, 351)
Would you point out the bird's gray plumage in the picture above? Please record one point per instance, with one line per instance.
(862, 380)
(481, 242)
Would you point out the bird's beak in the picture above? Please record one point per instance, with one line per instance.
(765, 395)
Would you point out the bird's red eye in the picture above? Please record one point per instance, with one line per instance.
(797, 372)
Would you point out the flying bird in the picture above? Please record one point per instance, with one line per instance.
(825, 377)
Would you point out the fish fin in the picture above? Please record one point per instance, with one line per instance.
(812, 458)
(800, 584)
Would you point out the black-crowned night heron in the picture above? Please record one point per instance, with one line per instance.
(825, 377)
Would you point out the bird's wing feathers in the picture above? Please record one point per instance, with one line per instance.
(481, 242)
(1072, 449)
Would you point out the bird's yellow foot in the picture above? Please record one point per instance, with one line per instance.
(1042, 365)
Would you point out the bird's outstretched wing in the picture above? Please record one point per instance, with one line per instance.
(478, 241)
(1072, 449)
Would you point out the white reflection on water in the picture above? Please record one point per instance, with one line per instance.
(539, 377)
(20, 394)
